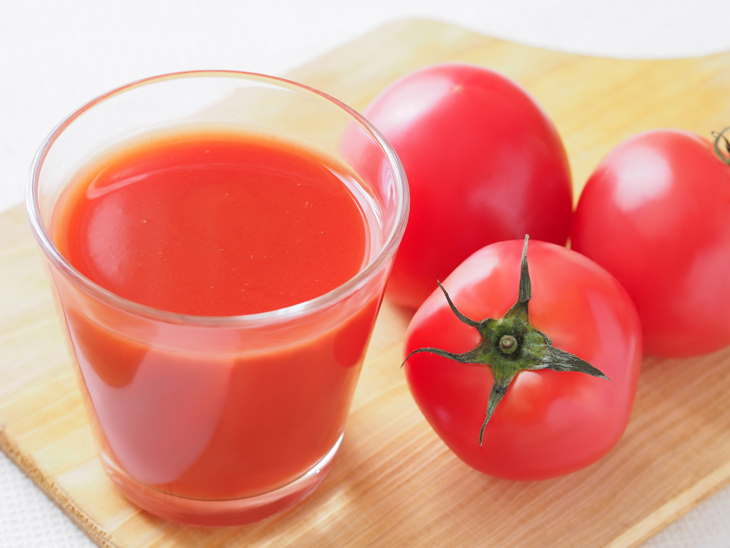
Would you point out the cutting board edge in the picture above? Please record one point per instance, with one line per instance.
(406, 22)
(674, 509)
(30, 469)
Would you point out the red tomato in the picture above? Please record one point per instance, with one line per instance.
(656, 214)
(484, 164)
(548, 423)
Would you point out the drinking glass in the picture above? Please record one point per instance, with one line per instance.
(219, 420)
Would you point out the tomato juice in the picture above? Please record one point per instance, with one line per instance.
(215, 224)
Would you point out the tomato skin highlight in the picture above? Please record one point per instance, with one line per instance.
(548, 423)
(656, 214)
(484, 164)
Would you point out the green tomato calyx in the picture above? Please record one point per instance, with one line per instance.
(510, 345)
(724, 156)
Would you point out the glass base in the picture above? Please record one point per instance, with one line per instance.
(227, 512)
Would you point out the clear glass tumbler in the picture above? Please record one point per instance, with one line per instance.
(220, 420)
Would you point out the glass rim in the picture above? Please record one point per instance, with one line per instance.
(368, 272)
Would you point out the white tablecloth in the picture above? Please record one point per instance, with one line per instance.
(57, 54)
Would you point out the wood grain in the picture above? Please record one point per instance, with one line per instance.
(394, 483)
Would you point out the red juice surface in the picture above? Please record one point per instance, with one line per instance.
(214, 224)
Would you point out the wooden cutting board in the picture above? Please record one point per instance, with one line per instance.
(394, 483)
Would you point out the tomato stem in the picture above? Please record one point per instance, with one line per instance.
(723, 156)
(510, 345)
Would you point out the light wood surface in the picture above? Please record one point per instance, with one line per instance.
(394, 483)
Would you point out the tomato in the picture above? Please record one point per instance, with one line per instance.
(656, 214)
(484, 164)
(552, 418)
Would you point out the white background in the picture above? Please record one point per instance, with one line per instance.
(57, 54)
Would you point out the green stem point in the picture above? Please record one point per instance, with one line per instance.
(507, 344)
